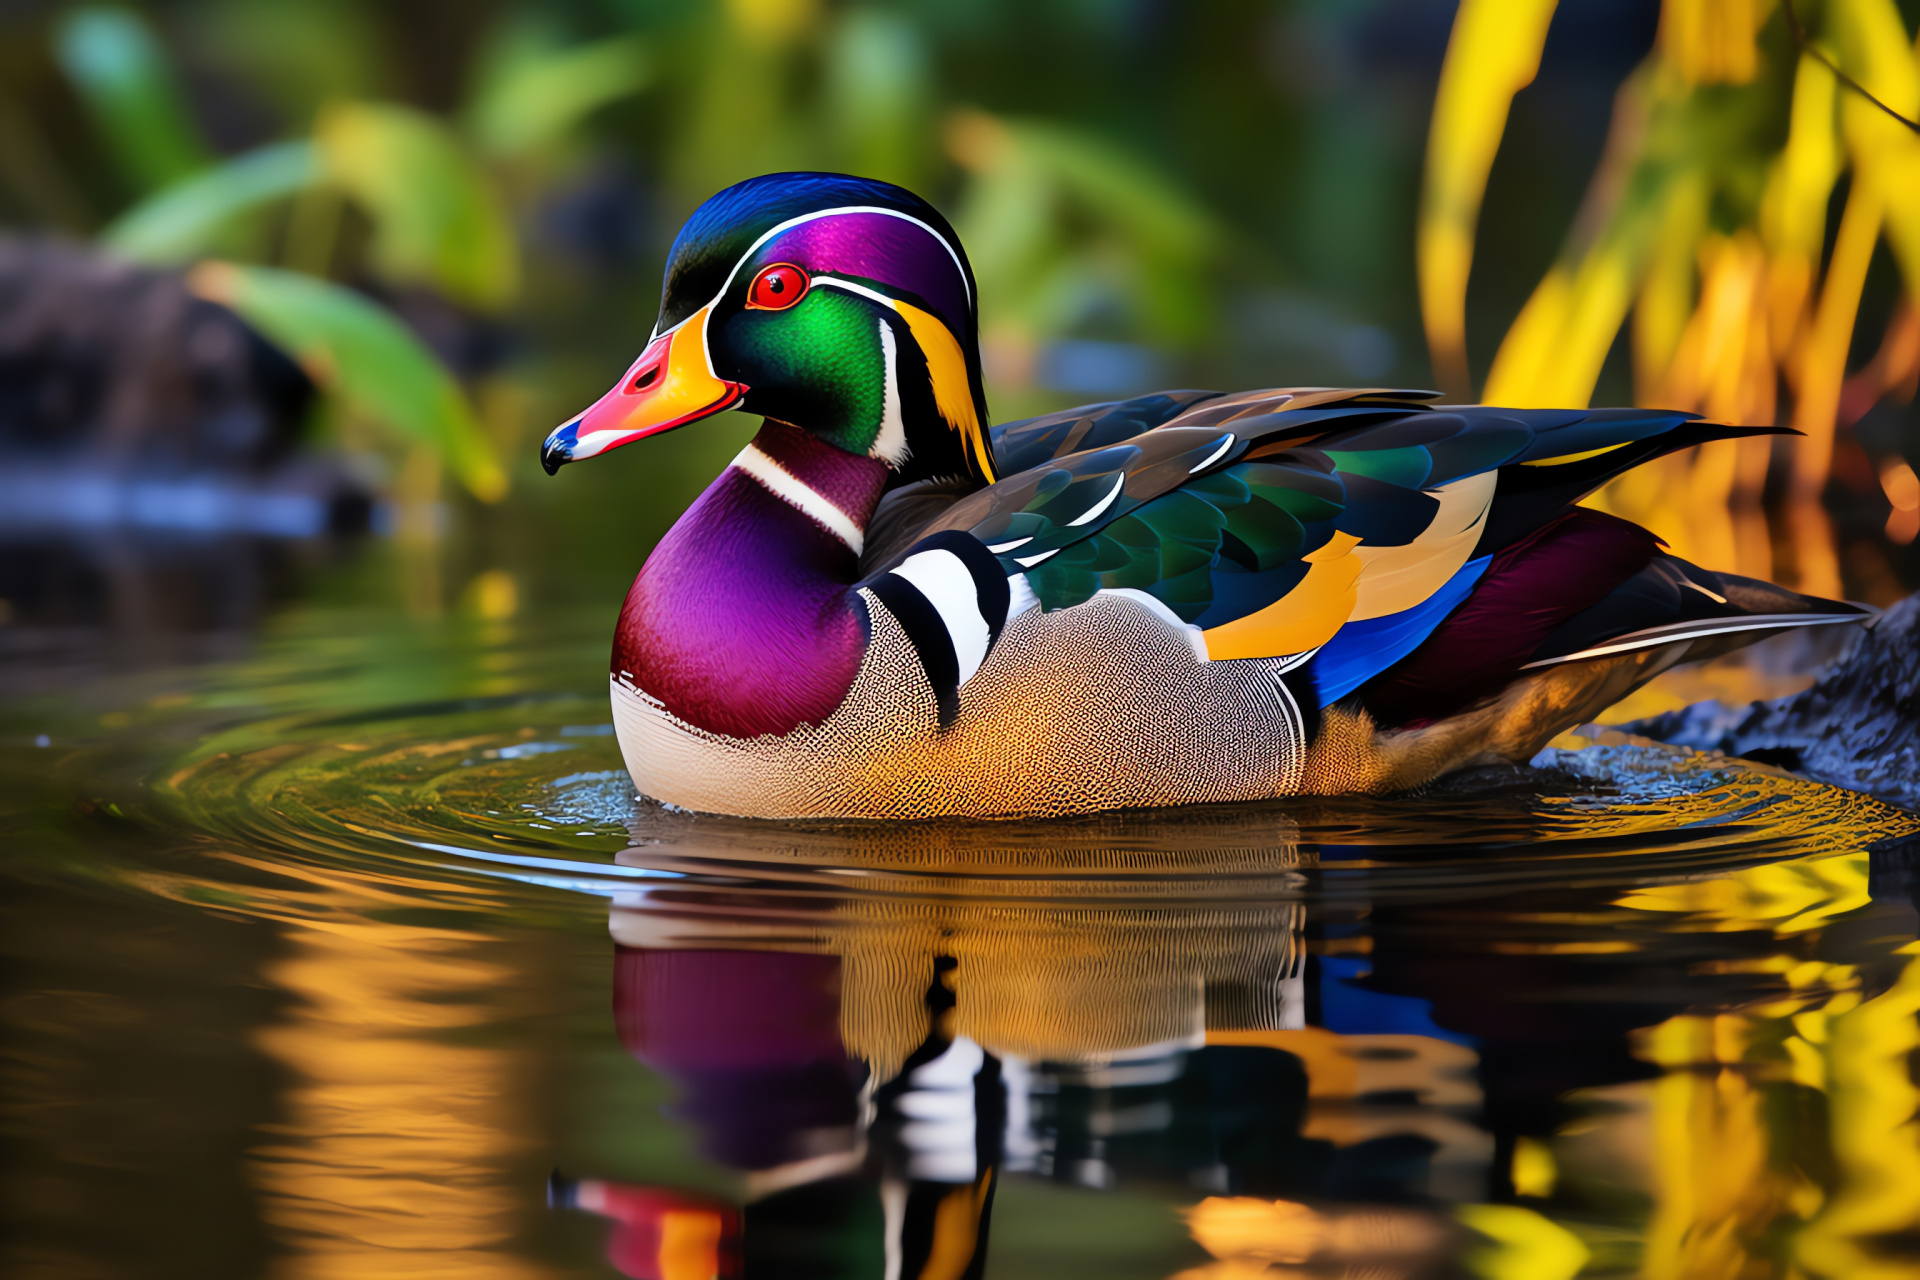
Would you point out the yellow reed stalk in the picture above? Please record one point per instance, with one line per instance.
(1823, 366)
(1666, 299)
(1713, 370)
(1732, 381)
(1815, 564)
(1875, 49)
(1793, 211)
(1552, 356)
(1886, 157)
(1531, 343)
(1713, 41)
(1493, 53)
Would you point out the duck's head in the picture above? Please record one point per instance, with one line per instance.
(839, 305)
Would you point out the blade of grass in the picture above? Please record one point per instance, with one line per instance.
(122, 74)
(437, 220)
(185, 220)
(361, 353)
(1494, 52)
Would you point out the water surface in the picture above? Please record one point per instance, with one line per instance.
(325, 959)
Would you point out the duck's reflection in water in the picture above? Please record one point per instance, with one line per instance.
(876, 1027)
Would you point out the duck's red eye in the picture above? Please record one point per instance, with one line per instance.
(777, 287)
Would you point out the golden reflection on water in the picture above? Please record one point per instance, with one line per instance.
(397, 1151)
(1778, 1139)
(1069, 946)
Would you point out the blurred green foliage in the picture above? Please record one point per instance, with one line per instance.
(532, 90)
(437, 220)
(127, 82)
(1126, 180)
(187, 218)
(360, 353)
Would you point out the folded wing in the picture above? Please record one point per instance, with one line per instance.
(1348, 525)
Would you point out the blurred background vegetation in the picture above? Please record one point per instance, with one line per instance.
(453, 218)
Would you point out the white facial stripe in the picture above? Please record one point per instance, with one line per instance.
(805, 218)
(795, 492)
(890, 445)
(849, 286)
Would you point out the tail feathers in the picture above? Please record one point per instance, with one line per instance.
(1532, 493)
(1671, 600)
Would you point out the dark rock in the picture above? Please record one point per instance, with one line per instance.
(124, 365)
(152, 480)
(127, 402)
(1857, 727)
(1496, 780)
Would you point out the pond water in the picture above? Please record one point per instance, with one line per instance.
(352, 953)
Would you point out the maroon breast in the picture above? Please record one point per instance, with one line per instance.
(741, 621)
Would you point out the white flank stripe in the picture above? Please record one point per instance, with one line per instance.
(1225, 444)
(943, 578)
(789, 488)
(1093, 512)
(1678, 631)
(890, 445)
(1020, 596)
(999, 547)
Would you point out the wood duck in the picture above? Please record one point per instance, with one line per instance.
(886, 608)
